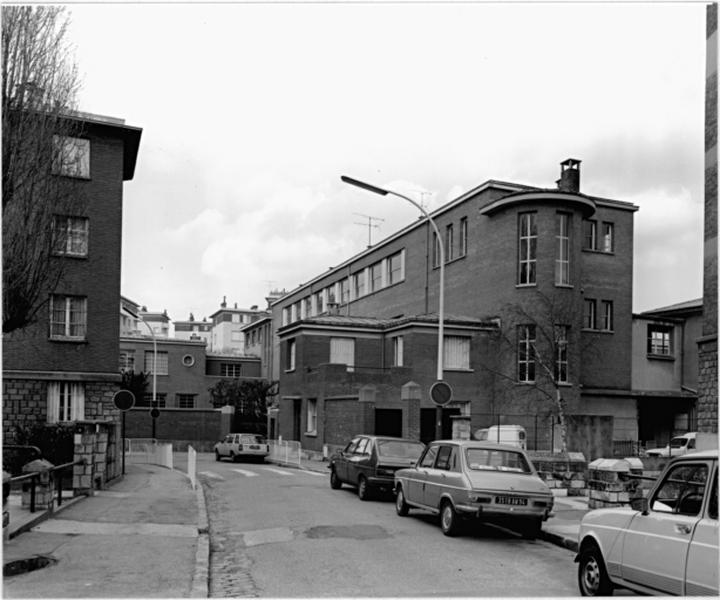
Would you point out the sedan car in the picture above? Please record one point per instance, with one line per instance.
(242, 445)
(369, 462)
(463, 479)
(664, 543)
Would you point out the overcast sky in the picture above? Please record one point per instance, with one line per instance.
(251, 112)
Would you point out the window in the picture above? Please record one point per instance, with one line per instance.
(682, 491)
(456, 352)
(311, 416)
(306, 310)
(436, 250)
(319, 302)
(590, 316)
(70, 235)
(160, 398)
(127, 360)
(527, 249)
(162, 362)
(444, 457)
(66, 401)
(358, 284)
(188, 360)
(286, 316)
(607, 237)
(362, 447)
(462, 249)
(185, 400)
(72, 157)
(449, 243)
(230, 369)
(526, 353)
(290, 357)
(235, 318)
(428, 459)
(562, 259)
(330, 294)
(345, 291)
(561, 353)
(342, 351)
(68, 317)
(237, 336)
(398, 351)
(589, 235)
(375, 277)
(395, 268)
(606, 315)
(660, 340)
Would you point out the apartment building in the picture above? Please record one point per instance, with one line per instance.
(63, 368)
(192, 329)
(550, 269)
(227, 335)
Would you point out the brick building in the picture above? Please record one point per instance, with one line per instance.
(551, 268)
(63, 368)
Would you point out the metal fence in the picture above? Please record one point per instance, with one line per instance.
(148, 451)
(285, 452)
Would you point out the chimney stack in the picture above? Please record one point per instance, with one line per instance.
(569, 176)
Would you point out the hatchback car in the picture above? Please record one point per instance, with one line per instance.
(664, 543)
(242, 445)
(369, 462)
(462, 479)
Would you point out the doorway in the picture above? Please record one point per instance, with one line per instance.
(427, 423)
(388, 421)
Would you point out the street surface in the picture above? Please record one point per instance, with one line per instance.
(283, 532)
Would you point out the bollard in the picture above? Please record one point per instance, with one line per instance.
(38, 492)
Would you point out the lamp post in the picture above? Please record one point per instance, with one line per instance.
(441, 293)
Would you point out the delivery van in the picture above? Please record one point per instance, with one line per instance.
(510, 435)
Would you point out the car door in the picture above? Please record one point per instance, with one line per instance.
(341, 461)
(701, 574)
(357, 461)
(416, 485)
(439, 478)
(224, 448)
(656, 543)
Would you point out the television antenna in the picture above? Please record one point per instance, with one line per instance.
(370, 224)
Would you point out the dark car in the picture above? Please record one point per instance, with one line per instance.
(369, 462)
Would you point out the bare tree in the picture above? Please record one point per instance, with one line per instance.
(39, 87)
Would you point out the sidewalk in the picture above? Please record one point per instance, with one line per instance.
(560, 529)
(145, 536)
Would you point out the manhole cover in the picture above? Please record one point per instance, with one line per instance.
(25, 565)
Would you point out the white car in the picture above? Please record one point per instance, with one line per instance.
(242, 445)
(665, 543)
(678, 446)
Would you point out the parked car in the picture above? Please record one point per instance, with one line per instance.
(664, 543)
(463, 479)
(510, 435)
(242, 445)
(678, 446)
(369, 462)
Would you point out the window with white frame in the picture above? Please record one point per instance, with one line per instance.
(659, 340)
(68, 317)
(376, 276)
(162, 362)
(127, 360)
(590, 313)
(72, 157)
(562, 258)
(398, 351)
(456, 352)
(344, 291)
(70, 235)
(561, 353)
(290, 356)
(527, 250)
(589, 234)
(286, 316)
(358, 280)
(395, 268)
(608, 230)
(185, 400)
(230, 369)
(526, 353)
(462, 242)
(449, 242)
(342, 351)
(311, 416)
(606, 315)
(66, 401)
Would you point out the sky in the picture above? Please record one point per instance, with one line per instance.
(251, 112)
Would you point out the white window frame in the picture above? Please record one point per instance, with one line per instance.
(449, 242)
(608, 237)
(290, 357)
(359, 285)
(456, 352)
(70, 235)
(527, 248)
(66, 402)
(526, 354)
(376, 283)
(561, 354)
(342, 351)
(162, 362)
(230, 369)
(590, 242)
(311, 412)
(462, 251)
(398, 351)
(68, 317)
(562, 258)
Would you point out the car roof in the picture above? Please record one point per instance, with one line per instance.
(388, 438)
(477, 444)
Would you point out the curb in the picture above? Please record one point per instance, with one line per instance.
(559, 540)
(200, 586)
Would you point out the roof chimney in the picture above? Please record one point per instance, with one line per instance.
(569, 176)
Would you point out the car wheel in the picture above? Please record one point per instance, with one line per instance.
(233, 456)
(449, 519)
(335, 482)
(530, 528)
(363, 489)
(593, 579)
(217, 456)
(401, 507)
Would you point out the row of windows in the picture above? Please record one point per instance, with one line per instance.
(528, 241)
(451, 250)
(384, 273)
(127, 363)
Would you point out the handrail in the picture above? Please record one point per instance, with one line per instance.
(33, 477)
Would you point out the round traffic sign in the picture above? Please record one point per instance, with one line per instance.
(124, 399)
(154, 412)
(441, 393)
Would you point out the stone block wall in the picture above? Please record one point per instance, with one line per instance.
(565, 474)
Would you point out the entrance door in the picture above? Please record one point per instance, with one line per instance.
(427, 423)
(388, 421)
(297, 405)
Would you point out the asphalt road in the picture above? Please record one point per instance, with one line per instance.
(282, 532)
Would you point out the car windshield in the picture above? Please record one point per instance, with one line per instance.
(678, 442)
(482, 459)
(397, 449)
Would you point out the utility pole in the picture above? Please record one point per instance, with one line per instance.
(370, 225)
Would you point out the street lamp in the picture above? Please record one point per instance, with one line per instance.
(441, 295)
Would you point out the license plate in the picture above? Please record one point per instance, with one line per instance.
(254, 447)
(511, 500)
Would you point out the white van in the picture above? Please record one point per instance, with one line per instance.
(510, 435)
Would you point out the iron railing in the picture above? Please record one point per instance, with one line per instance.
(33, 478)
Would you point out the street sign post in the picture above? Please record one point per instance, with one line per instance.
(441, 394)
(124, 400)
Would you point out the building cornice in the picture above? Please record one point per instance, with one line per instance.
(62, 376)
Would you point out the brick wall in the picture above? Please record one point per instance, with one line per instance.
(201, 428)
